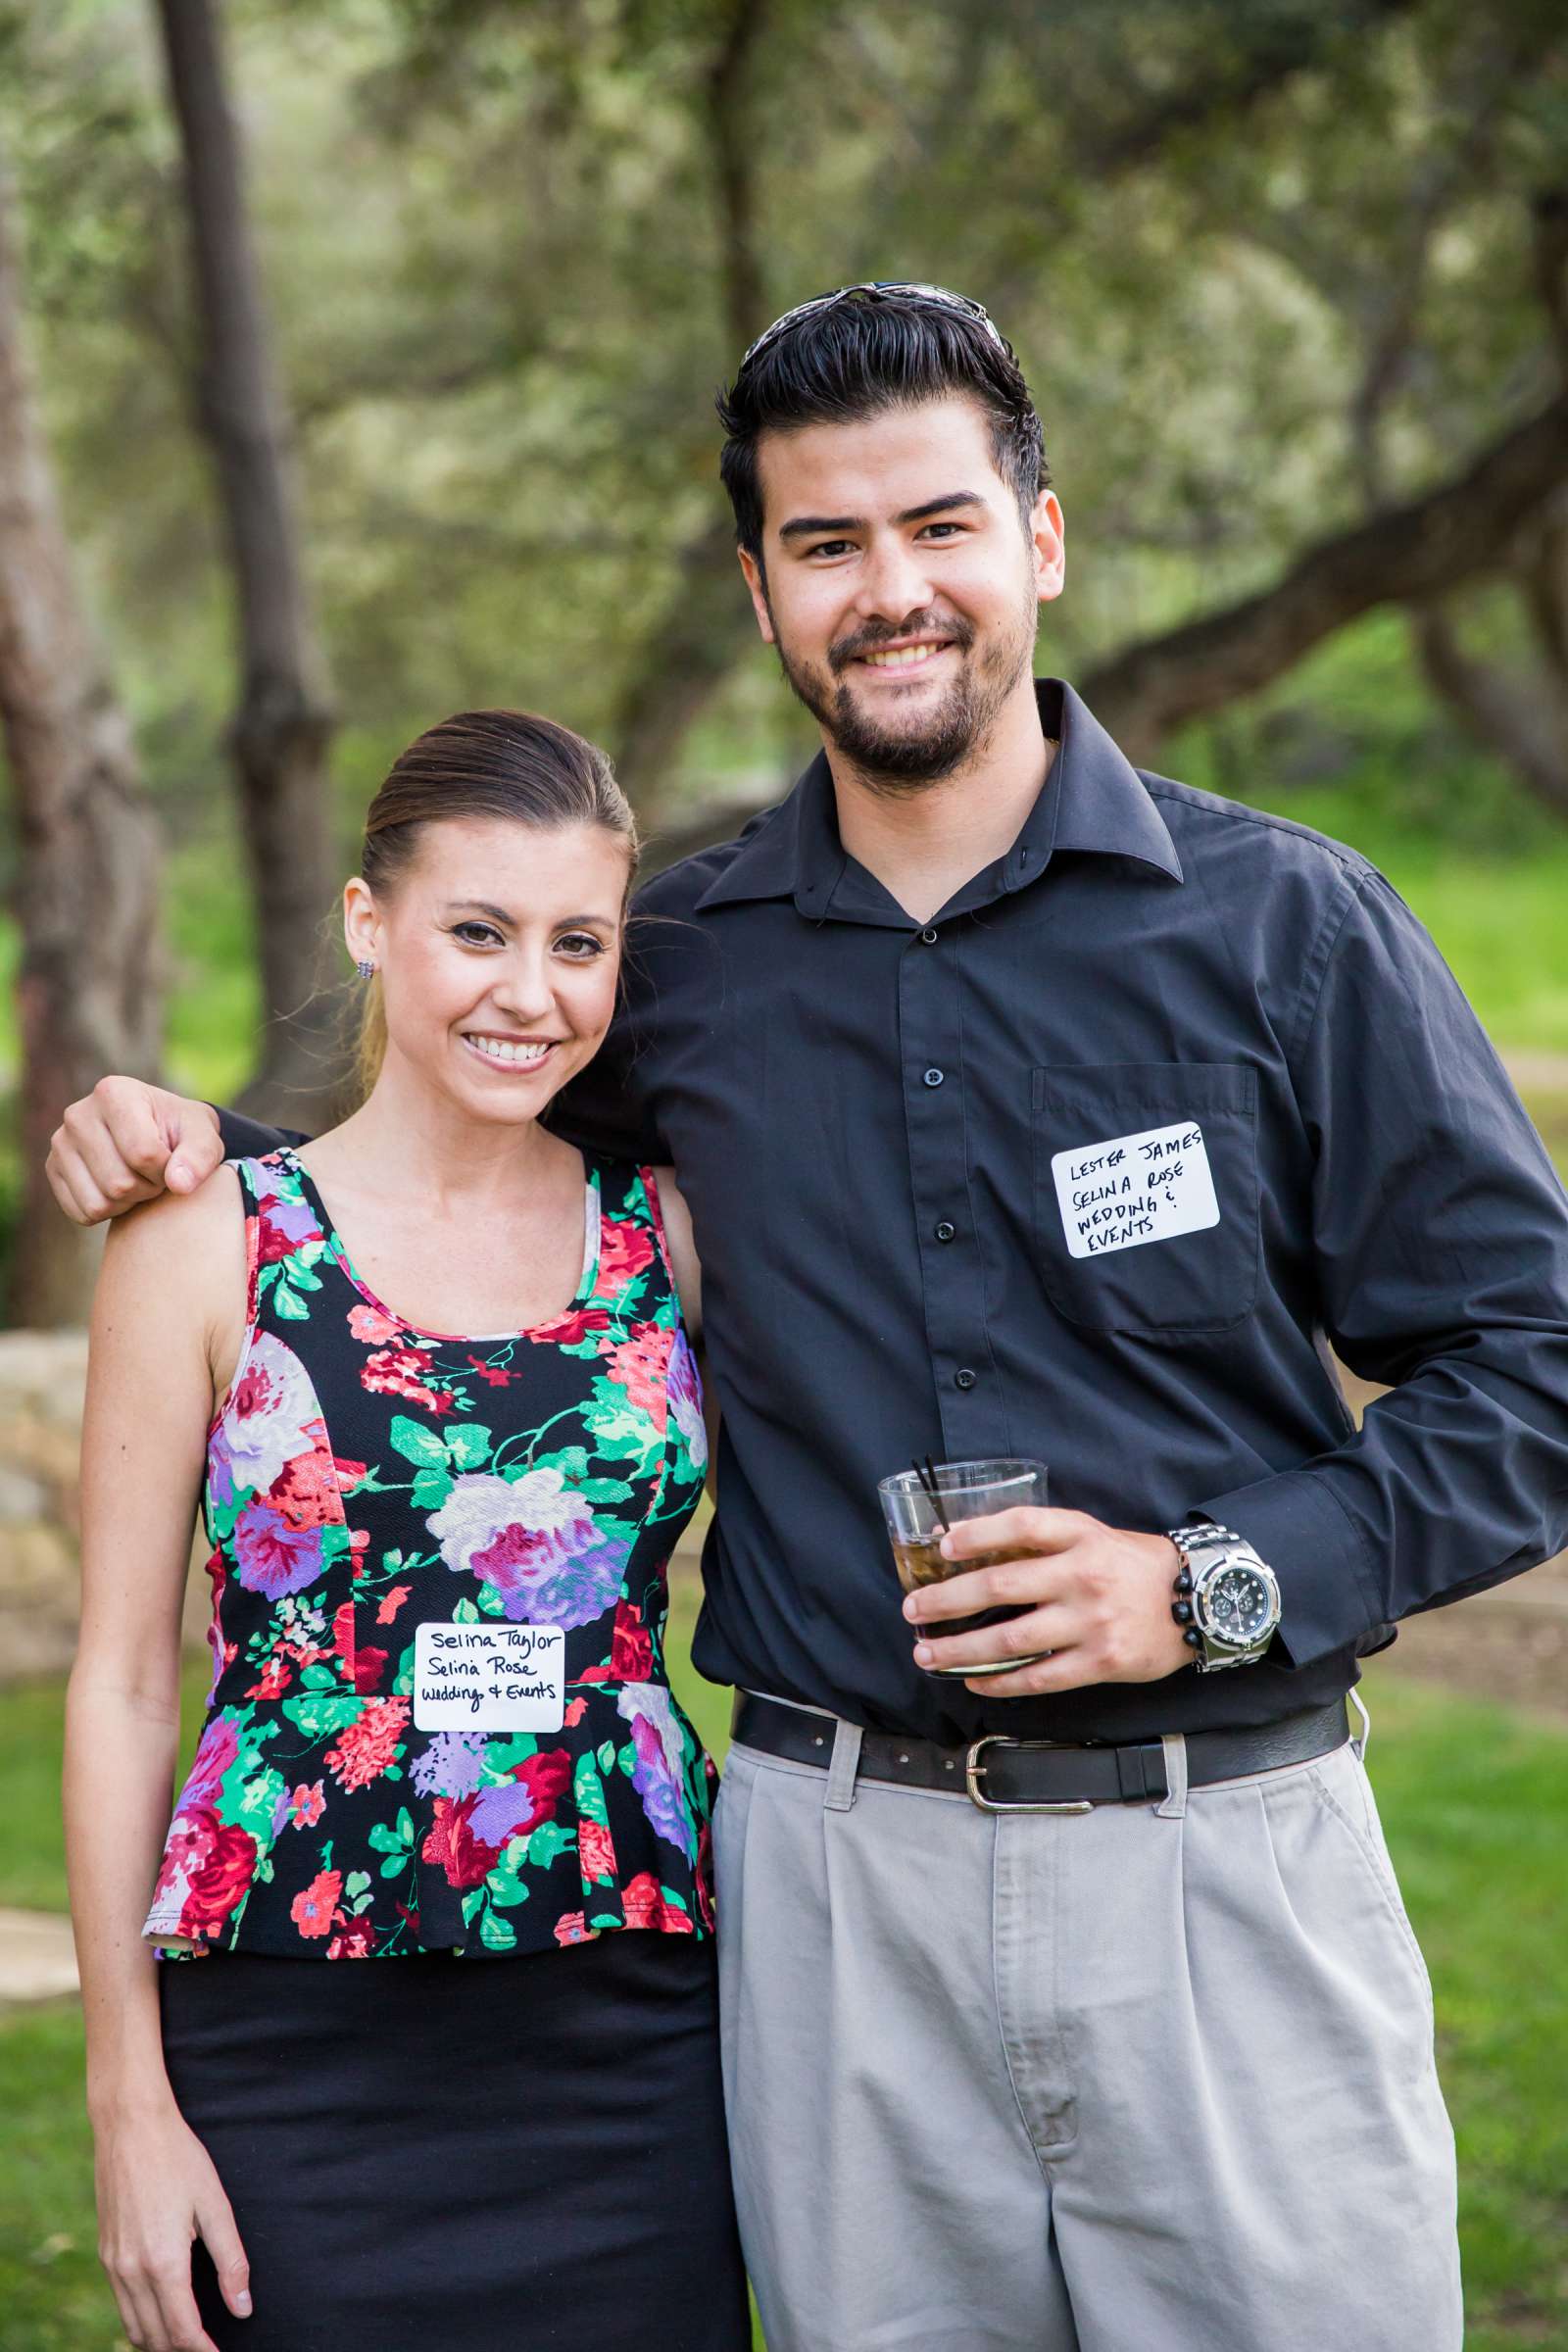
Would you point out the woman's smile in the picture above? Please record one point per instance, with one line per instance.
(504, 1052)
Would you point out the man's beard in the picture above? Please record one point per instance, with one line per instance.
(897, 760)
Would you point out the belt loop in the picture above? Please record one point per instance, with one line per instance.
(1360, 1745)
(1174, 1807)
(843, 1767)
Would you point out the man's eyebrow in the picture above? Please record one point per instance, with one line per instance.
(815, 526)
(940, 505)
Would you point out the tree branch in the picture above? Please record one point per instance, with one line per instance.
(1273, 53)
(1460, 532)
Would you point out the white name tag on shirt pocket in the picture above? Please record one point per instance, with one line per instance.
(489, 1678)
(1134, 1189)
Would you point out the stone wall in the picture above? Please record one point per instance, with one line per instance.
(41, 1381)
(41, 1376)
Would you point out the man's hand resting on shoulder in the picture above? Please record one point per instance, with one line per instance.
(128, 1141)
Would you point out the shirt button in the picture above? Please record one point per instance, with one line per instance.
(929, 936)
(945, 1231)
(964, 1380)
(932, 1077)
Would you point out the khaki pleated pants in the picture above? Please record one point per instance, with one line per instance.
(1138, 2080)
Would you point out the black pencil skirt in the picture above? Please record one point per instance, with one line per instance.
(441, 2155)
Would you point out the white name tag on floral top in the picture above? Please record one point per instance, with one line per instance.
(1134, 1189)
(489, 1678)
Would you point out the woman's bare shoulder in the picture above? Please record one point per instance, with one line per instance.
(170, 1221)
(192, 1243)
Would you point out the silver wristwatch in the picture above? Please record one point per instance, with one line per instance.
(1227, 1600)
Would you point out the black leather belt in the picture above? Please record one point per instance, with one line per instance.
(1041, 1776)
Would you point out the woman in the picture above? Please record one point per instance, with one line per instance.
(430, 1382)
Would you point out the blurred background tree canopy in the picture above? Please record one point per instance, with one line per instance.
(1290, 282)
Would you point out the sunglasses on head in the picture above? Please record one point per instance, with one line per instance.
(879, 289)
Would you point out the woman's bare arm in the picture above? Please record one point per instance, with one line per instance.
(168, 1321)
(682, 1250)
(688, 1283)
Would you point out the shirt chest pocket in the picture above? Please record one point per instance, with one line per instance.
(1145, 1195)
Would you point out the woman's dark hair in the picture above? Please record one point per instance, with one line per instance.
(486, 763)
(859, 355)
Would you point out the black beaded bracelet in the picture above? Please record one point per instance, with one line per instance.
(1181, 1608)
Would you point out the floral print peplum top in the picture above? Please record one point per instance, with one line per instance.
(366, 1480)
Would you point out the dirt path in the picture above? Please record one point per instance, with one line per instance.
(38, 1958)
(1535, 1072)
(1510, 1643)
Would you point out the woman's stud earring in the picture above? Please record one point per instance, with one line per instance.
(365, 969)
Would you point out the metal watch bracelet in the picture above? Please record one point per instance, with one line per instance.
(1213, 1646)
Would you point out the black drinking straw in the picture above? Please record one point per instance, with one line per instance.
(926, 1472)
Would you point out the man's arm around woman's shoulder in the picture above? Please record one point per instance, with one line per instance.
(128, 1141)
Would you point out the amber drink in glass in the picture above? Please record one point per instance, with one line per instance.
(914, 1521)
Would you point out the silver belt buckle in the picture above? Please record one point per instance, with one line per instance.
(974, 1772)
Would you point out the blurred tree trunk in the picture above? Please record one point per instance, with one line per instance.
(694, 643)
(1520, 717)
(86, 894)
(714, 822)
(281, 732)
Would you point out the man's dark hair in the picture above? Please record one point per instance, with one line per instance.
(858, 357)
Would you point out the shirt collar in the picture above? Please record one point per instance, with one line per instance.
(1094, 800)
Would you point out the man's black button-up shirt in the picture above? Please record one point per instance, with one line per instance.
(1090, 1168)
(1087, 1169)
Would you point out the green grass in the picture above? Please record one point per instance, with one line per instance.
(32, 1869)
(1502, 927)
(1504, 931)
(1473, 1797)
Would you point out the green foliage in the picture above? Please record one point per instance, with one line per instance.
(497, 254)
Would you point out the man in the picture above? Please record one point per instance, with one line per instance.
(1029, 1105)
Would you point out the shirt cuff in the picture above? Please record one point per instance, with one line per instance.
(1298, 1526)
(249, 1139)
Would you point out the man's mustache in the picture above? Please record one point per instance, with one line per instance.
(920, 624)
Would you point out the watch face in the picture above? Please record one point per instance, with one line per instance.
(1237, 1605)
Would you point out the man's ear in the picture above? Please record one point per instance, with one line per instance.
(756, 583)
(1048, 538)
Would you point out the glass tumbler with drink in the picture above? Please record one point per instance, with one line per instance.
(922, 1505)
